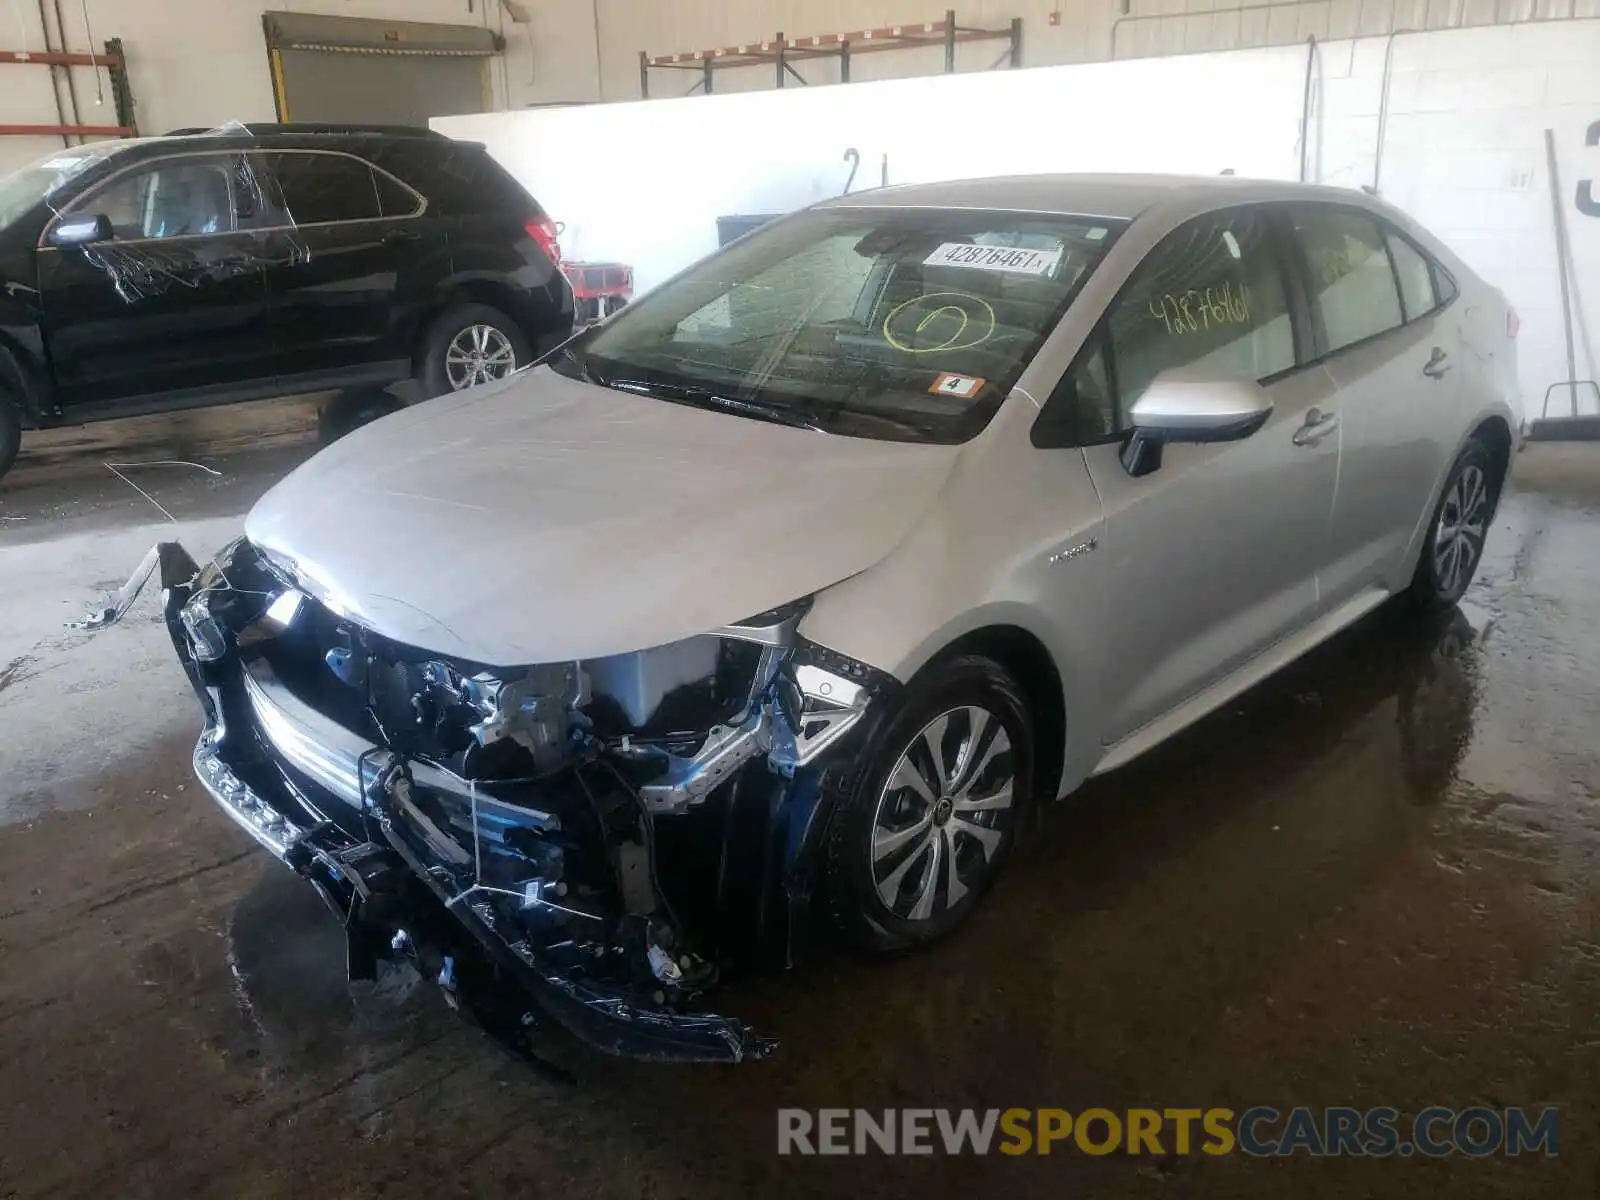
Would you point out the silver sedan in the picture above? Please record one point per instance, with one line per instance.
(809, 572)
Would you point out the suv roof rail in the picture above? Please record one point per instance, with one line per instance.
(267, 128)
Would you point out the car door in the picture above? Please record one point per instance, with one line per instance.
(173, 301)
(1213, 556)
(343, 266)
(1395, 355)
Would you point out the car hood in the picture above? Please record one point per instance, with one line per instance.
(543, 519)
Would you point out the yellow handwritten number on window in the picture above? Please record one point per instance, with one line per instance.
(1202, 308)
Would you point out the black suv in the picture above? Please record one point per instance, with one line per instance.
(204, 268)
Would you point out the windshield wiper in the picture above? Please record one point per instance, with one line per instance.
(683, 393)
(584, 373)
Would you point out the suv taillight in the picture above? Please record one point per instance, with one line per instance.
(1513, 322)
(543, 231)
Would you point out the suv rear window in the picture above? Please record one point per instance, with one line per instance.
(466, 180)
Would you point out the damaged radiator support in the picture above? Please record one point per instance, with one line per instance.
(529, 802)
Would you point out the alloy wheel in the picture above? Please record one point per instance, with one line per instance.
(943, 814)
(478, 354)
(1458, 537)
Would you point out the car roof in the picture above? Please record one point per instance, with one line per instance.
(1113, 196)
(297, 136)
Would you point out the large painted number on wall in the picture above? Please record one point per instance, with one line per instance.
(1587, 204)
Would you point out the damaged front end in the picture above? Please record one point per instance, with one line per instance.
(611, 833)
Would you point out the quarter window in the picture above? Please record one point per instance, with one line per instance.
(1444, 286)
(395, 199)
(1416, 277)
(1350, 276)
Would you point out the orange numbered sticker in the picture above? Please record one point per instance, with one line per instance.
(956, 385)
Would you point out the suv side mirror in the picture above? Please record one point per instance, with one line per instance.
(1181, 405)
(82, 230)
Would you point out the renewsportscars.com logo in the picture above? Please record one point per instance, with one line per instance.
(1261, 1131)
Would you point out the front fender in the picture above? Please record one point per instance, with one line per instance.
(24, 378)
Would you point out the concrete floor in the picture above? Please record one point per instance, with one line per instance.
(1371, 882)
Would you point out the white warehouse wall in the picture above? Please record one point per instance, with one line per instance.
(644, 182)
(197, 62)
(1085, 30)
(1463, 149)
(1463, 152)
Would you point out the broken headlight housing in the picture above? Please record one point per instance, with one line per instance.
(207, 639)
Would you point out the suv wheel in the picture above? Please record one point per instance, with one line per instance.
(1454, 546)
(468, 345)
(925, 826)
(10, 433)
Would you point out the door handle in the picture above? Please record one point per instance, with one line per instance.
(395, 236)
(1317, 426)
(1438, 364)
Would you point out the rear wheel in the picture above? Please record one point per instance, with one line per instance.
(925, 826)
(1460, 524)
(10, 433)
(468, 345)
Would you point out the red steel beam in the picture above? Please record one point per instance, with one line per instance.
(52, 59)
(59, 130)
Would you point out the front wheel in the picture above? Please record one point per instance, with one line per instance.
(468, 345)
(1454, 545)
(926, 824)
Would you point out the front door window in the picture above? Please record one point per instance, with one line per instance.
(177, 198)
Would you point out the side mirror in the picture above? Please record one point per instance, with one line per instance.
(1183, 406)
(82, 230)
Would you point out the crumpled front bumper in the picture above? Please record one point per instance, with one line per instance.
(391, 883)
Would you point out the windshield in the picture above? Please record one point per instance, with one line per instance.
(904, 324)
(21, 190)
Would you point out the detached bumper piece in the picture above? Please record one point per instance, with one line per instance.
(519, 888)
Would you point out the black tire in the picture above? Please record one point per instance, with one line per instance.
(1474, 480)
(10, 433)
(438, 375)
(855, 878)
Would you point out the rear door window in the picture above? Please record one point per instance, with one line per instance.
(1415, 273)
(1349, 274)
(318, 188)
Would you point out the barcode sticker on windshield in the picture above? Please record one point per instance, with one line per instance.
(1013, 259)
